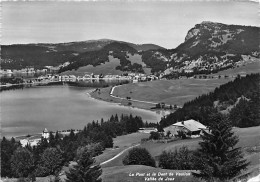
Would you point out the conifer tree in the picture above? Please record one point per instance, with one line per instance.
(7, 150)
(50, 162)
(52, 141)
(85, 170)
(22, 163)
(57, 137)
(217, 159)
(116, 118)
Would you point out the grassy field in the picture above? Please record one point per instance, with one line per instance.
(169, 91)
(122, 142)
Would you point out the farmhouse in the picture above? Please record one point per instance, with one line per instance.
(190, 128)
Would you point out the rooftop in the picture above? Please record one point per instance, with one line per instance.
(191, 125)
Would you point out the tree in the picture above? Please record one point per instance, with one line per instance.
(217, 159)
(94, 149)
(103, 138)
(181, 159)
(22, 162)
(50, 162)
(85, 170)
(52, 141)
(72, 135)
(139, 156)
(154, 135)
(7, 150)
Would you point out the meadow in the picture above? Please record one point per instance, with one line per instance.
(169, 91)
(121, 143)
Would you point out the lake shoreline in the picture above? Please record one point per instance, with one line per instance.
(43, 103)
(104, 95)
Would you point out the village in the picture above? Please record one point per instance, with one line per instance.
(49, 74)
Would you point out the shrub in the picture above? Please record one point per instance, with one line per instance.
(139, 156)
(154, 135)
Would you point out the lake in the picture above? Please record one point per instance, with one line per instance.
(30, 110)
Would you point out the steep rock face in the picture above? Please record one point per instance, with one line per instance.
(220, 37)
(192, 33)
(210, 47)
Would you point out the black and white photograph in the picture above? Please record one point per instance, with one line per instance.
(130, 91)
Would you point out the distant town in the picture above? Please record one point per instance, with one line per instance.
(50, 74)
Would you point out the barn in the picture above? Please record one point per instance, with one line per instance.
(190, 128)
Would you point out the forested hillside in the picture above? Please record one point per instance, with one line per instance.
(240, 97)
(91, 52)
(49, 156)
(95, 58)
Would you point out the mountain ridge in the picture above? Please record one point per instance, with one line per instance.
(208, 47)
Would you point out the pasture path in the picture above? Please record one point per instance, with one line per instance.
(118, 154)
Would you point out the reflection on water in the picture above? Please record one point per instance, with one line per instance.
(58, 107)
(99, 82)
(27, 74)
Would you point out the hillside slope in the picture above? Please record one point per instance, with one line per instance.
(243, 114)
(45, 54)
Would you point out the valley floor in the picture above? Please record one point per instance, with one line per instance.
(146, 95)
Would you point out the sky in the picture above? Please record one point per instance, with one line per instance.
(164, 23)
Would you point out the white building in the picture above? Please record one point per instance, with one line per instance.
(45, 133)
(30, 141)
(189, 127)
